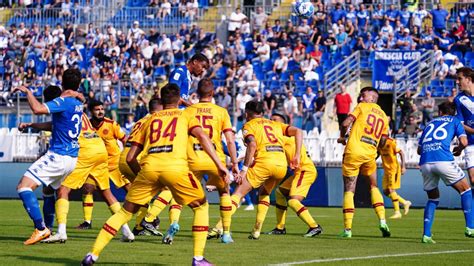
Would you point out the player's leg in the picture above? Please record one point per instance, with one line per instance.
(114, 207)
(143, 189)
(225, 203)
(87, 204)
(299, 190)
(25, 189)
(149, 222)
(452, 175)
(49, 200)
(430, 185)
(350, 172)
(186, 190)
(369, 171)
(281, 207)
(263, 204)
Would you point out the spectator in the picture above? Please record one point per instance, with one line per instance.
(360, 45)
(337, 14)
(330, 42)
(441, 69)
(427, 38)
(304, 29)
(319, 17)
(417, 114)
(341, 37)
(66, 8)
(440, 18)
(428, 104)
(307, 107)
(269, 103)
(386, 29)
(342, 104)
(454, 68)
(290, 106)
(405, 41)
(263, 50)
(254, 85)
(464, 43)
(362, 22)
(351, 14)
(141, 102)
(419, 16)
(320, 108)
(242, 99)
(405, 102)
(135, 32)
(281, 64)
(378, 18)
(224, 100)
(259, 19)
(111, 104)
(235, 21)
(451, 97)
(411, 129)
(392, 15)
(445, 42)
(405, 16)
(129, 123)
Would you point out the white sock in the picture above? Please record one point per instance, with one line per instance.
(89, 222)
(383, 221)
(61, 228)
(126, 230)
(198, 257)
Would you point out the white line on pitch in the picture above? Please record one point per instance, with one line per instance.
(372, 257)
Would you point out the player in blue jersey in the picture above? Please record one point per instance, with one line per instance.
(182, 75)
(60, 159)
(437, 162)
(464, 102)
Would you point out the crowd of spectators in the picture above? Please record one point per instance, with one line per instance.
(138, 60)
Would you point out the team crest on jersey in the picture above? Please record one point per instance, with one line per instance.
(105, 131)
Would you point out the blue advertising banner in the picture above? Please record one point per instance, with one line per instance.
(388, 64)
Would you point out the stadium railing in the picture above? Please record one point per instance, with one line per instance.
(345, 72)
(413, 76)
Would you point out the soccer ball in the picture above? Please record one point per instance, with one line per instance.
(303, 9)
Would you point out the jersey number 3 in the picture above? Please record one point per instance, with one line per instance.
(156, 127)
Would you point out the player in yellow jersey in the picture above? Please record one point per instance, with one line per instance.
(215, 121)
(265, 162)
(165, 163)
(392, 174)
(149, 224)
(295, 189)
(110, 132)
(369, 128)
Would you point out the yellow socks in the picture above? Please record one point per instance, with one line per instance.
(200, 228)
(377, 202)
(235, 199)
(280, 209)
(401, 200)
(262, 209)
(226, 212)
(115, 207)
(302, 212)
(140, 215)
(175, 211)
(109, 230)
(348, 209)
(87, 206)
(159, 204)
(395, 200)
(62, 209)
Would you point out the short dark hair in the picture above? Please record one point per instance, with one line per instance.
(153, 104)
(447, 108)
(200, 58)
(466, 72)
(254, 106)
(205, 88)
(282, 116)
(170, 94)
(51, 92)
(71, 79)
(368, 88)
(93, 103)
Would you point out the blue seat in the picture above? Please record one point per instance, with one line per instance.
(435, 83)
(221, 73)
(267, 65)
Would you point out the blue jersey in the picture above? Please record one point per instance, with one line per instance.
(439, 18)
(182, 77)
(405, 17)
(67, 124)
(465, 112)
(435, 142)
(237, 148)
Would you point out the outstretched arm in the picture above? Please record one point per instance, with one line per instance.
(46, 126)
(37, 107)
(298, 134)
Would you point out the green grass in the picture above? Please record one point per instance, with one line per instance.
(448, 230)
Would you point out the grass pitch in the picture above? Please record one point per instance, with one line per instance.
(366, 246)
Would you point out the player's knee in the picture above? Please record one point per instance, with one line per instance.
(386, 192)
(63, 192)
(282, 192)
(297, 198)
(26, 183)
(88, 189)
(197, 203)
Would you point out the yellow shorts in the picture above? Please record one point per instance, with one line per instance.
(213, 177)
(116, 177)
(300, 182)
(353, 165)
(126, 171)
(392, 180)
(258, 174)
(184, 186)
(94, 168)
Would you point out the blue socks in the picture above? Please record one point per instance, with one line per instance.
(429, 216)
(466, 203)
(30, 202)
(48, 209)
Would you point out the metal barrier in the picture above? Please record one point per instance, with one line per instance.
(413, 76)
(343, 73)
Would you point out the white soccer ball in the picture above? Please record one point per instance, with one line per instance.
(303, 9)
